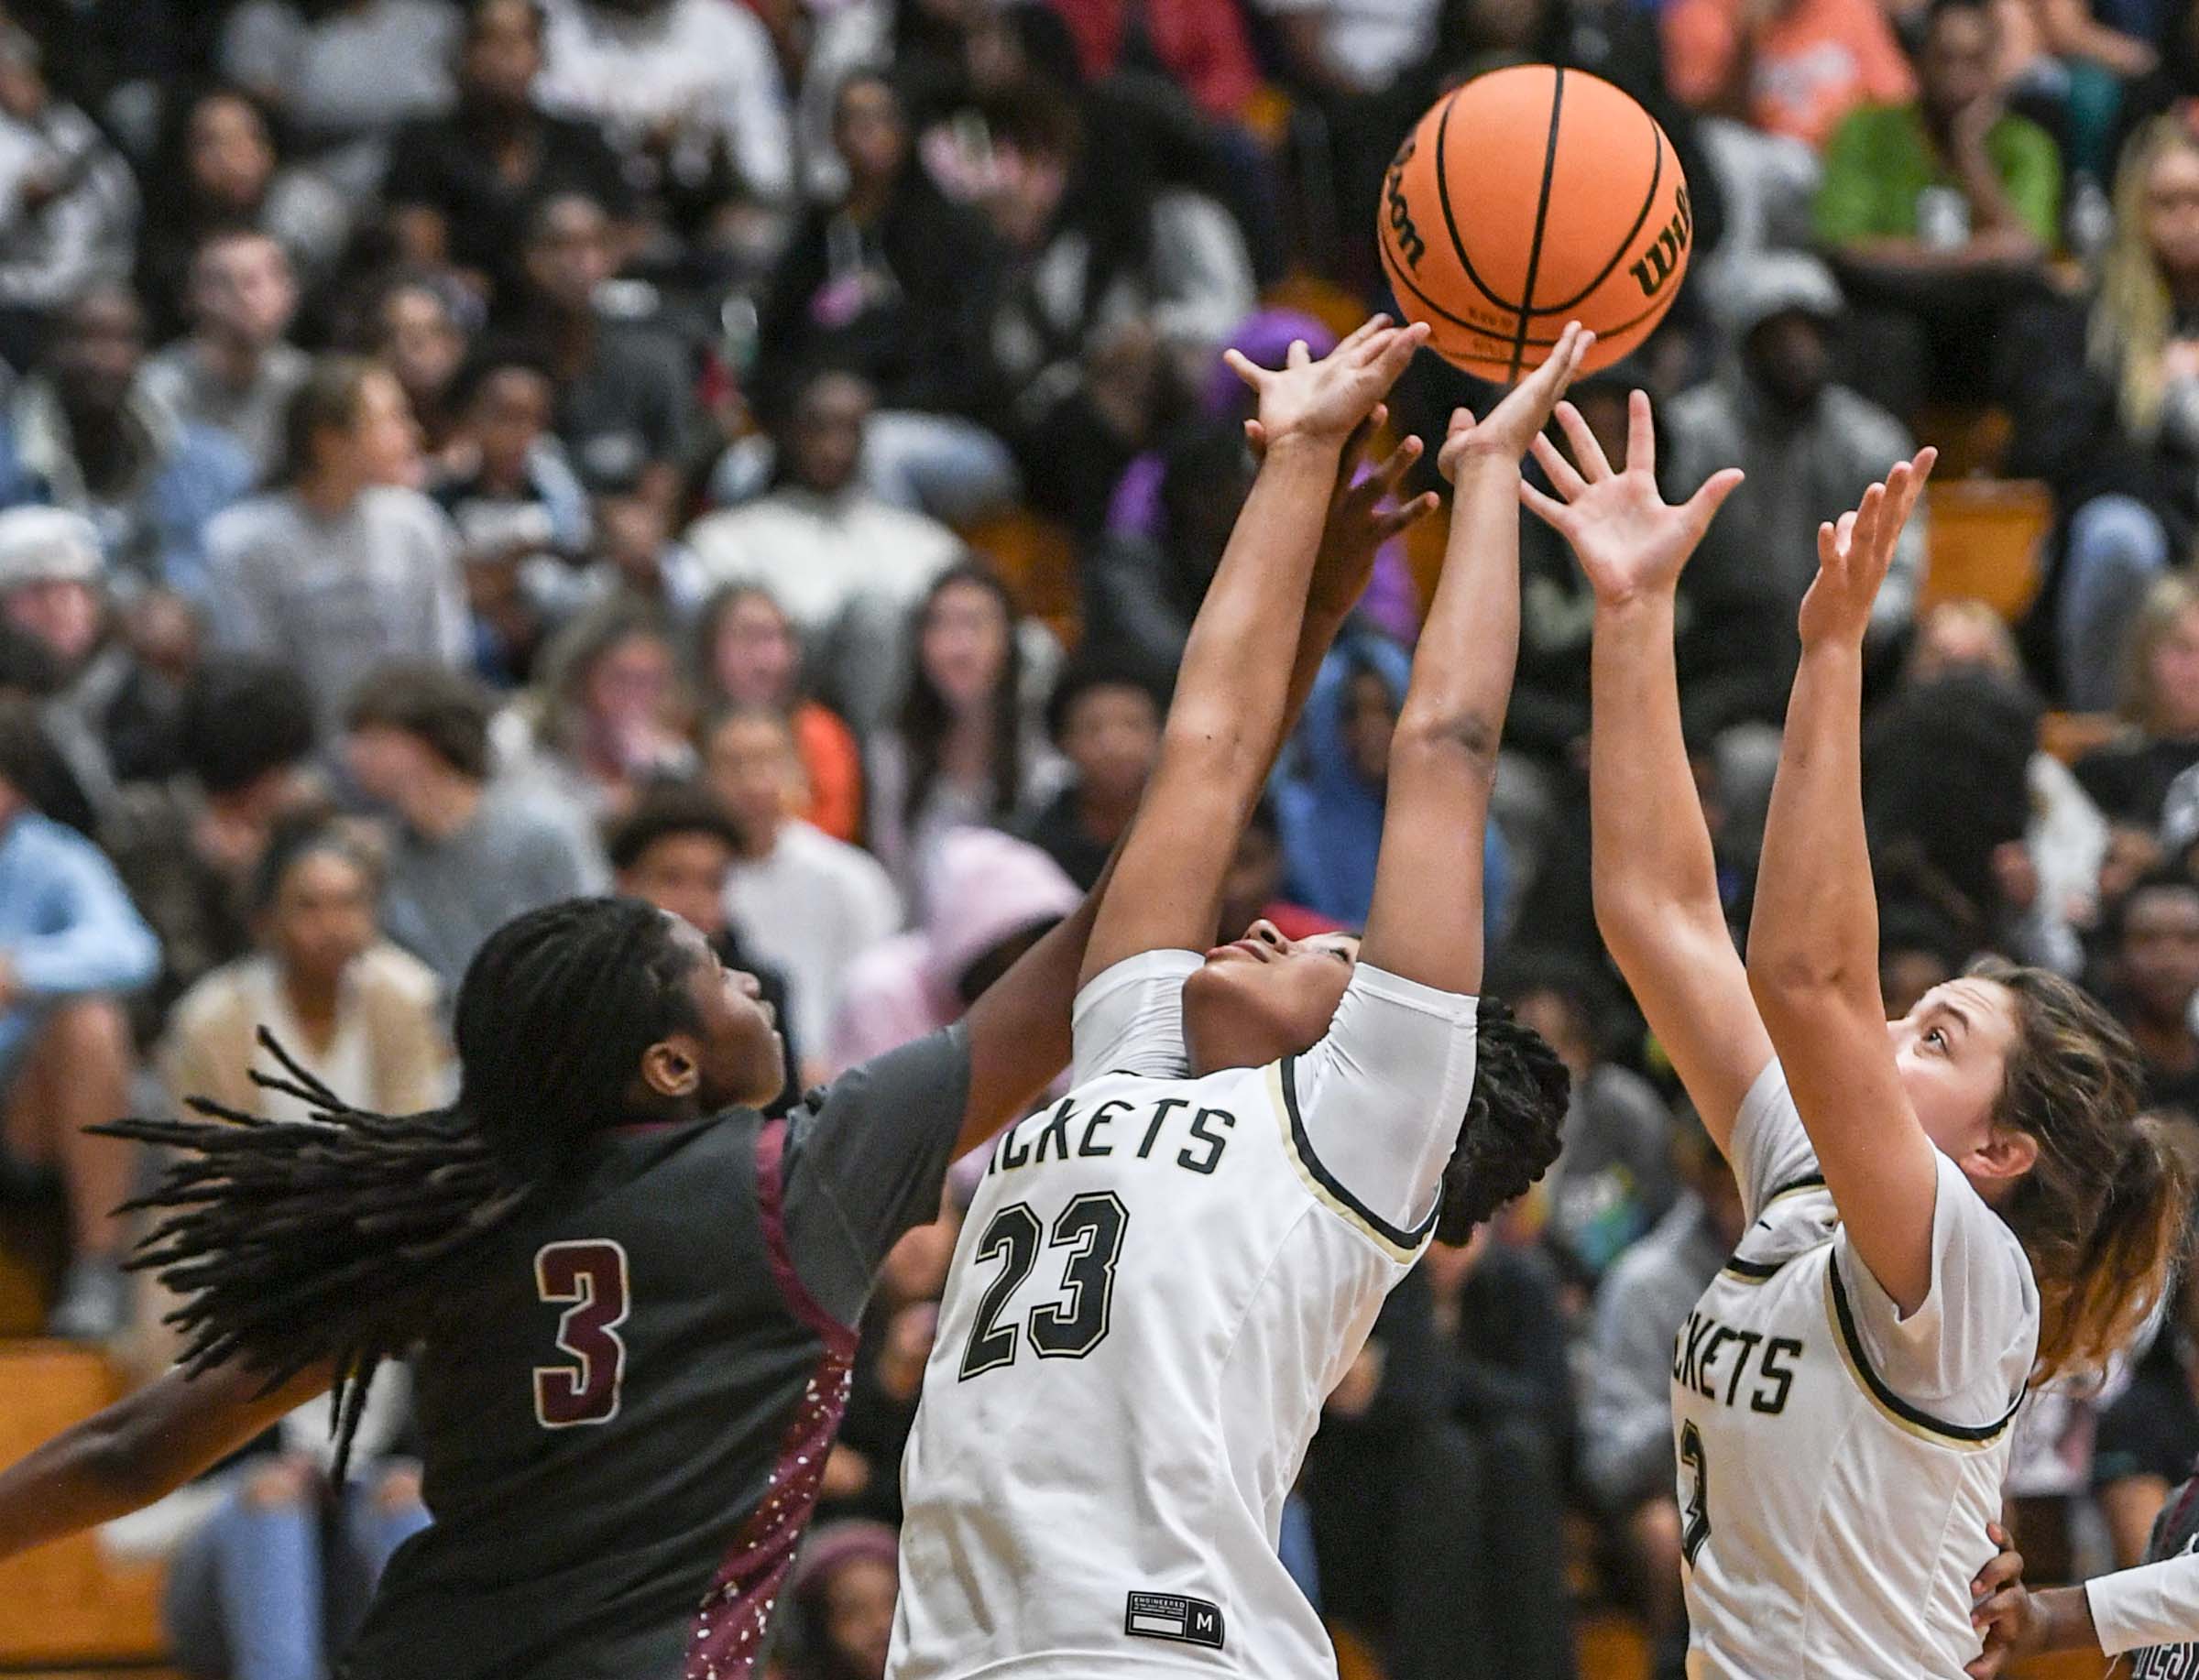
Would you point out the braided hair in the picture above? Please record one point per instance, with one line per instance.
(1520, 1092)
(332, 1239)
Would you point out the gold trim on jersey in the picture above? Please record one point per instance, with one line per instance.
(1909, 1420)
(1286, 1120)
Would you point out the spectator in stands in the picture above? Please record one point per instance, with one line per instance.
(53, 589)
(987, 898)
(346, 565)
(1329, 792)
(1939, 213)
(218, 169)
(263, 1585)
(188, 849)
(1106, 723)
(68, 202)
(1810, 447)
(842, 1595)
(459, 187)
(677, 84)
(469, 853)
(70, 950)
(356, 1012)
(2109, 415)
(1436, 1482)
(519, 512)
(2129, 778)
(237, 371)
(748, 654)
(635, 558)
(1795, 70)
(2148, 1435)
(961, 749)
(889, 283)
(411, 326)
(1112, 278)
(1205, 50)
(1252, 889)
(1142, 587)
(1147, 600)
(2151, 959)
(1918, 948)
(1354, 63)
(615, 712)
(1614, 1179)
(676, 849)
(809, 903)
(1626, 1408)
(846, 566)
(623, 389)
(274, 1582)
(343, 75)
(86, 434)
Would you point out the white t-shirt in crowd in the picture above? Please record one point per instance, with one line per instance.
(809, 910)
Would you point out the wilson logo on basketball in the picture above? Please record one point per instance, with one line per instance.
(1656, 264)
(1410, 245)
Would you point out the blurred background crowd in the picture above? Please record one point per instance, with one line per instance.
(765, 455)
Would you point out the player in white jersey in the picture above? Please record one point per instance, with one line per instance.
(1162, 1277)
(1943, 1208)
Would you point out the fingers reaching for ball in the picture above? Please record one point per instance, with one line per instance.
(1515, 423)
(1324, 401)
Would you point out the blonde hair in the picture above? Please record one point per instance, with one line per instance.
(2133, 318)
(2166, 603)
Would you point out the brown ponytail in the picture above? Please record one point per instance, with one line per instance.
(2101, 1210)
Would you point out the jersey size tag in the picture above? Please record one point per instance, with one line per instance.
(1171, 1616)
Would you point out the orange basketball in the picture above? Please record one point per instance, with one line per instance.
(1527, 198)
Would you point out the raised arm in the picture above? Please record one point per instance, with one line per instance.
(1019, 1029)
(150, 1444)
(1654, 881)
(1425, 922)
(1813, 940)
(1235, 685)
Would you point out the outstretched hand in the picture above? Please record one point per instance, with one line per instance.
(2003, 1611)
(1629, 540)
(1852, 556)
(1325, 401)
(1519, 419)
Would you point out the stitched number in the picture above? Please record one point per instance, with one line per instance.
(1091, 1227)
(1697, 1528)
(589, 1279)
(1013, 1233)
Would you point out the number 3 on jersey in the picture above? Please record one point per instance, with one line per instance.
(1091, 1227)
(590, 1279)
(1697, 1466)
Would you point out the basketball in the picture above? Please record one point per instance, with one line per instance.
(1527, 198)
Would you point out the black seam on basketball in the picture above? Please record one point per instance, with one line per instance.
(1604, 334)
(1656, 173)
(1443, 197)
(1397, 273)
(1542, 217)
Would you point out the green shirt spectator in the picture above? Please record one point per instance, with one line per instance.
(1881, 163)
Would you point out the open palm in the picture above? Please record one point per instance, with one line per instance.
(1628, 538)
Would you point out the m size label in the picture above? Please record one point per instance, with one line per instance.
(1161, 1615)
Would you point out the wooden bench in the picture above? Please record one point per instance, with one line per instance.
(1983, 543)
(67, 1605)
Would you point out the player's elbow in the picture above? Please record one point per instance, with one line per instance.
(1795, 981)
(1463, 736)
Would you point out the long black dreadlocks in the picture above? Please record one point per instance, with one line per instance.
(1512, 1119)
(296, 1243)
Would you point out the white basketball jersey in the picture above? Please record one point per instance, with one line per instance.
(1158, 1284)
(1838, 1464)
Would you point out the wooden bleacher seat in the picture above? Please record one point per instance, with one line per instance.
(67, 1605)
(1985, 536)
(1036, 558)
(2069, 735)
(1972, 438)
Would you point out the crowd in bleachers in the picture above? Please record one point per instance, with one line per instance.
(764, 456)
